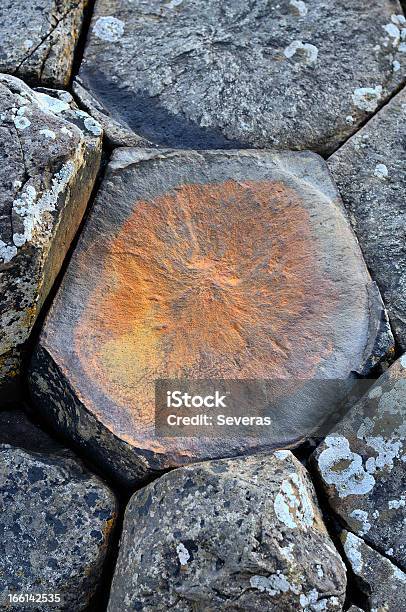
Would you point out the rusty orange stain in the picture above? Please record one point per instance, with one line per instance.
(216, 280)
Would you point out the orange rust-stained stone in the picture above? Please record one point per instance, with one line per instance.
(195, 266)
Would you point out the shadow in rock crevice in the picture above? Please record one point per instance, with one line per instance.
(149, 119)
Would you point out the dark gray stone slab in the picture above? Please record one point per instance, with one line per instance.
(383, 584)
(205, 265)
(370, 170)
(49, 159)
(362, 465)
(204, 74)
(243, 534)
(38, 39)
(56, 520)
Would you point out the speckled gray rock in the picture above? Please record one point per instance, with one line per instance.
(362, 465)
(38, 38)
(243, 534)
(370, 170)
(56, 519)
(383, 584)
(208, 74)
(49, 159)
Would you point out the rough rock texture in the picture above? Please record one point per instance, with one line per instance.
(50, 155)
(243, 534)
(370, 170)
(383, 584)
(56, 519)
(38, 38)
(362, 465)
(239, 240)
(204, 74)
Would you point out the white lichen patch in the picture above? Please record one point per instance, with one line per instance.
(343, 469)
(48, 104)
(396, 66)
(21, 122)
(398, 19)
(305, 51)
(299, 6)
(31, 209)
(282, 454)
(395, 504)
(93, 126)
(352, 546)
(7, 252)
(274, 584)
(367, 98)
(349, 119)
(393, 31)
(402, 360)
(292, 504)
(48, 134)
(183, 554)
(381, 171)
(399, 575)
(109, 28)
(362, 518)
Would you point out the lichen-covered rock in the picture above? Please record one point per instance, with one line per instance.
(56, 519)
(242, 534)
(50, 155)
(383, 584)
(204, 265)
(370, 170)
(362, 465)
(38, 38)
(204, 74)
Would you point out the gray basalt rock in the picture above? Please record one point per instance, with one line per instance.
(383, 584)
(370, 170)
(38, 38)
(243, 534)
(206, 265)
(56, 520)
(204, 74)
(49, 159)
(362, 465)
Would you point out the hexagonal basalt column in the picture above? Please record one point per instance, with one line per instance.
(38, 39)
(50, 156)
(205, 74)
(203, 265)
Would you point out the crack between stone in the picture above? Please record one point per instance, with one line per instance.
(394, 93)
(52, 30)
(374, 548)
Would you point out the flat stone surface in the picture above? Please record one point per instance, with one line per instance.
(50, 155)
(56, 519)
(362, 465)
(370, 170)
(255, 245)
(243, 534)
(204, 74)
(383, 584)
(38, 39)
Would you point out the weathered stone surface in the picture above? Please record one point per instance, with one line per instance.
(370, 170)
(362, 465)
(56, 519)
(49, 159)
(205, 74)
(383, 584)
(211, 265)
(38, 38)
(242, 534)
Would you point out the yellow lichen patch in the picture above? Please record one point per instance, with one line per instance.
(207, 281)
